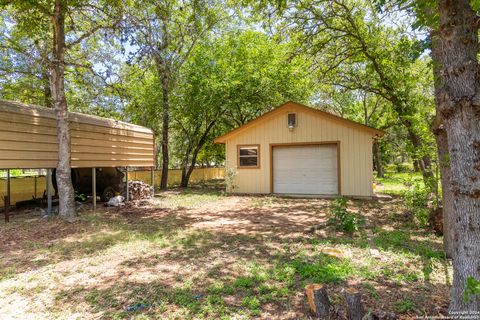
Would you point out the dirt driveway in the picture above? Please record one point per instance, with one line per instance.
(201, 254)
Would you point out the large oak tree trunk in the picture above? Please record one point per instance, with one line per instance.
(442, 151)
(64, 180)
(447, 195)
(458, 103)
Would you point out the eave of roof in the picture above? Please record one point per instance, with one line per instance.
(265, 116)
(35, 110)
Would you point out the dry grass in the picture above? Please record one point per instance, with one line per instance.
(203, 255)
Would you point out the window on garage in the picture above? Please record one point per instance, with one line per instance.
(249, 156)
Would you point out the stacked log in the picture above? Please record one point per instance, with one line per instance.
(139, 190)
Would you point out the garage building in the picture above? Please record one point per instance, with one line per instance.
(298, 150)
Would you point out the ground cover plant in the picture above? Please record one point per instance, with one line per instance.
(201, 254)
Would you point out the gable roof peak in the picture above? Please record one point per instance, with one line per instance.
(318, 112)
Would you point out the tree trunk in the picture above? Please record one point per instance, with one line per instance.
(185, 177)
(458, 103)
(318, 300)
(417, 143)
(447, 195)
(443, 155)
(416, 166)
(64, 179)
(355, 308)
(47, 92)
(378, 159)
(165, 125)
(186, 173)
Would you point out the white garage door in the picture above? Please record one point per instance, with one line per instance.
(308, 169)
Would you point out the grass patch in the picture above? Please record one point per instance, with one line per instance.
(405, 305)
(162, 263)
(396, 183)
(188, 198)
(400, 241)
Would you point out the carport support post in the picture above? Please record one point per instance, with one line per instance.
(7, 198)
(94, 188)
(152, 173)
(8, 184)
(49, 191)
(126, 182)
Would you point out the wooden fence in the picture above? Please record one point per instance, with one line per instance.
(25, 188)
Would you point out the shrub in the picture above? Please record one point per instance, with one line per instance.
(403, 167)
(231, 179)
(416, 199)
(472, 288)
(341, 218)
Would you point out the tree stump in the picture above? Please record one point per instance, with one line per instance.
(355, 308)
(318, 301)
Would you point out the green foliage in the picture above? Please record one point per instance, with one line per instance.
(252, 303)
(405, 305)
(403, 167)
(416, 199)
(472, 288)
(324, 270)
(341, 218)
(80, 197)
(400, 241)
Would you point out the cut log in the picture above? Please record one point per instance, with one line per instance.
(355, 309)
(318, 301)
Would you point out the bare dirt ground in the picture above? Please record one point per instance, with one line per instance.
(203, 255)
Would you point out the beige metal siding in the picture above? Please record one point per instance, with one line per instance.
(355, 150)
(28, 139)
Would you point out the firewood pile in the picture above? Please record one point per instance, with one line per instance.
(138, 190)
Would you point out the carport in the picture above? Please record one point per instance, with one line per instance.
(28, 140)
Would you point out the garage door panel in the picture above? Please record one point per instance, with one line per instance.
(308, 169)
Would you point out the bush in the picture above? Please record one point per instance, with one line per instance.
(398, 167)
(341, 218)
(416, 199)
(403, 167)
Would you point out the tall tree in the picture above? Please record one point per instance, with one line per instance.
(352, 49)
(458, 105)
(165, 33)
(453, 27)
(80, 20)
(231, 78)
(57, 73)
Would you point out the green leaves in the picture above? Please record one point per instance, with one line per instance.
(472, 288)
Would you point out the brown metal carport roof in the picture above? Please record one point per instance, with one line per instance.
(28, 139)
